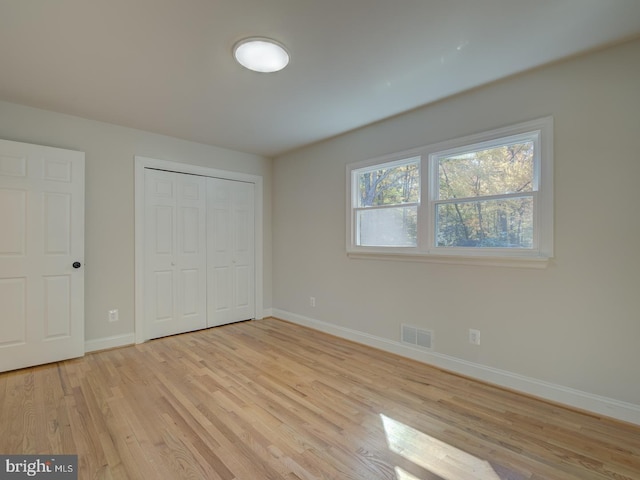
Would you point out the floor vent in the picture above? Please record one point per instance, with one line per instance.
(416, 336)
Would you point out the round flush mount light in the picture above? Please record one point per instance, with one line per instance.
(261, 54)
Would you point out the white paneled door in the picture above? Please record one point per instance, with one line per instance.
(175, 253)
(41, 254)
(231, 269)
(199, 240)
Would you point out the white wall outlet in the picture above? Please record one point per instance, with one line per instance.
(474, 336)
(114, 315)
(312, 301)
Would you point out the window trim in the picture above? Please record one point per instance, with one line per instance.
(426, 250)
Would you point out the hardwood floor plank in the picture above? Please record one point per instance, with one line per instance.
(271, 400)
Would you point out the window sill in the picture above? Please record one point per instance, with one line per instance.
(484, 260)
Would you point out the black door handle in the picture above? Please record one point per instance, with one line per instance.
(76, 265)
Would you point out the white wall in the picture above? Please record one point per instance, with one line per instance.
(575, 324)
(109, 235)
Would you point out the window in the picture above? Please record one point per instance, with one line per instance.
(386, 204)
(484, 196)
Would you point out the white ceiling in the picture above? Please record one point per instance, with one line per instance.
(165, 65)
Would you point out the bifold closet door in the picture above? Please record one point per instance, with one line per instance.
(175, 253)
(230, 244)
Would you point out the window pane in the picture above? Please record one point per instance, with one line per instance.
(494, 171)
(389, 186)
(387, 227)
(504, 223)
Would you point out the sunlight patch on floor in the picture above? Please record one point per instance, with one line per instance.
(404, 475)
(433, 455)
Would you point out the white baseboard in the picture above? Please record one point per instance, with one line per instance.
(627, 412)
(109, 342)
(130, 338)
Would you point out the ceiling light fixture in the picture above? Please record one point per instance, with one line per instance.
(261, 54)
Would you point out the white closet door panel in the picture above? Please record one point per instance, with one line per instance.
(163, 231)
(219, 252)
(190, 292)
(42, 217)
(219, 292)
(231, 291)
(163, 298)
(242, 287)
(243, 260)
(192, 253)
(175, 263)
(190, 229)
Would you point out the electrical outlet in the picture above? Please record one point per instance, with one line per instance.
(114, 316)
(474, 336)
(312, 301)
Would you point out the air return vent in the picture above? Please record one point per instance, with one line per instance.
(416, 336)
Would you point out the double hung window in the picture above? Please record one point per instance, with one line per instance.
(487, 195)
(386, 200)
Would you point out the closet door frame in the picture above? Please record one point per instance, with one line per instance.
(140, 164)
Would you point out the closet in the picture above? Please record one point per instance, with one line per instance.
(199, 252)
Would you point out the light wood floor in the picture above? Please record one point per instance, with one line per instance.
(270, 400)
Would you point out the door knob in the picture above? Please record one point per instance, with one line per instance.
(76, 265)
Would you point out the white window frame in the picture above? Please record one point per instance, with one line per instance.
(395, 162)
(539, 130)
